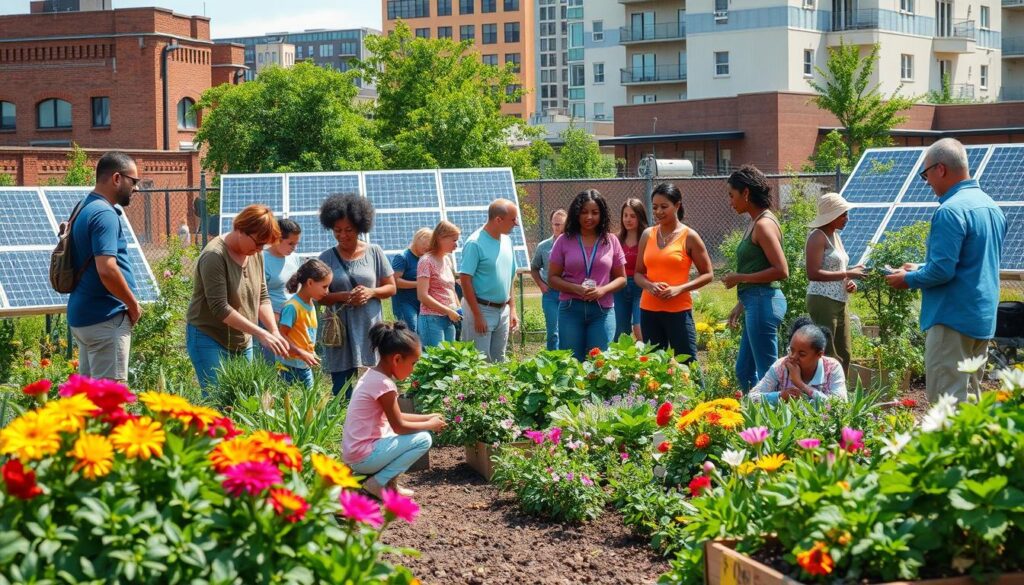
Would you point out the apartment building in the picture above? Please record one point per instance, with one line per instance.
(1013, 50)
(334, 48)
(277, 53)
(502, 31)
(552, 72)
(596, 55)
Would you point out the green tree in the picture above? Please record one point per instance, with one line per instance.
(865, 114)
(581, 158)
(303, 118)
(6, 180)
(438, 105)
(79, 174)
(831, 153)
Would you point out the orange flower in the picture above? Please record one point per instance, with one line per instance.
(595, 352)
(235, 451)
(652, 385)
(643, 358)
(702, 441)
(334, 472)
(278, 448)
(44, 363)
(816, 561)
(713, 417)
(199, 416)
(288, 504)
(599, 363)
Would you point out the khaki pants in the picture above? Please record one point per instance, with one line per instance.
(943, 348)
(103, 348)
(832, 315)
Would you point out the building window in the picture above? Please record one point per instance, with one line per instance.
(8, 115)
(511, 32)
(54, 113)
(444, 32)
(489, 34)
(326, 50)
(466, 6)
(985, 17)
(599, 111)
(907, 6)
(467, 32)
(648, 98)
(444, 7)
(101, 112)
(423, 33)
(808, 62)
(187, 114)
(721, 63)
(511, 5)
(514, 59)
(721, 5)
(598, 31)
(697, 158)
(490, 60)
(488, 6)
(514, 92)
(725, 161)
(983, 77)
(578, 111)
(576, 78)
(408, 9)
(598, 72)
(906, 67)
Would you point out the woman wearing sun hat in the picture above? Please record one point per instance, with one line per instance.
(830, 279)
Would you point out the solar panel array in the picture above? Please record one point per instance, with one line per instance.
(404, 201)
(29, 217)
(887, 194)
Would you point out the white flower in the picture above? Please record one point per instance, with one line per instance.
(507, 424)
(608, 440)
(896, 444)
(639, 345)
(972, 365)
(588, 367)
(613, 375)
(734, 458)
(1012, 378)
(938, 417)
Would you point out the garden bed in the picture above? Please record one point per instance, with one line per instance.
(468, 533)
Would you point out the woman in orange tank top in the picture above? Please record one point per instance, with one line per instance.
(667, 252)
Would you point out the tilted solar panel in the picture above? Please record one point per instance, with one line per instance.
(880, 175)
(1003, 175)
(919, 191)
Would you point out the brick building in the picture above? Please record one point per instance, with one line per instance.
(777, 131)
(94, 78)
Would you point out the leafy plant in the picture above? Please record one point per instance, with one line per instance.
(549, 379)
(239, 378)
(437, 364)
(478, 405)
(628, 366)
(894, 308)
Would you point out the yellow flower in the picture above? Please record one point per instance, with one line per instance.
(703, 327)
(163, 403)
(726, 403)
(1003, 395)
(720, 326)
(235, 451)
(333, 472)
(31, 436)
(139, 439)
(201, 416)
(723, 382)
(746, 468)
(95, 455)
(844, 484)
(729, 419)
(771, 463)
(70, 414)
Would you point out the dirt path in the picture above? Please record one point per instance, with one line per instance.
(468, 533)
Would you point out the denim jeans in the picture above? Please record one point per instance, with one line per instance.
(391, 456)
(338, 380)
(763, 310)
(206, 355)
(583, 325)
(406, 311)
(549, 304)
(494, 341)
(293, 375)
(627, 308)
(434, 329)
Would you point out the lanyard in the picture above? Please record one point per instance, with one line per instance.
(588, 263)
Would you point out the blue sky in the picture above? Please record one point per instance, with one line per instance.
(233, 18)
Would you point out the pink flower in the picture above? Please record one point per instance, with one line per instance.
(535, 436)
(586, 481)
(360, 508)
(555, 435)
(570, 476)
(108, 395)
(458, 418)
(168, 274)
(554, 477)
(223, 427)
(502, 399)
(754, 435)
(252, 477)
(399, 505)
(709, 467)
(809, 443)
(852, 440)
(461, 396)
(624, 455)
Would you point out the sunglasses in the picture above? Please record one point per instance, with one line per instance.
(924, 174)
(135, 180)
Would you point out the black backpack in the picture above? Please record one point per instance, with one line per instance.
(63, 276)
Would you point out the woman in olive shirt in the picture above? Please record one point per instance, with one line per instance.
(760, 265)
(230, 296)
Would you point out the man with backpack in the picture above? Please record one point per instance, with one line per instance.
(103, 308)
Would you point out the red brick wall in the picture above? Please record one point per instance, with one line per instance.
(35, 166)
(227, 60)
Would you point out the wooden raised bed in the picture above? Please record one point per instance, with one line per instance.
(478, 456)
(725, 566)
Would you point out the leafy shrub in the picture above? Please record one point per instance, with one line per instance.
(94, 494)
(438, 363)
(894, 309)
(628, 366)
(479, 405)
(238, 377)
(549, 379)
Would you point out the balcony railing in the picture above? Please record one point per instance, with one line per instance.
(654, 74)
(655, 32)
(855, 20)
(960, 29)
(1011, 93)
(1013, 47)
(1013, 3)
(962, 91)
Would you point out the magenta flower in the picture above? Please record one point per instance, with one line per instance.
(754, 435)
(252, 477)
(809, 443)
(555, 435)
(458, 418)
(586, 481)
(852, 440)
(535, 436)
(360, 508)
(570, 476)
(461, 396)
(624, 455)
(399, 505)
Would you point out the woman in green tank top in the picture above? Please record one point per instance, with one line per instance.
(760, 265)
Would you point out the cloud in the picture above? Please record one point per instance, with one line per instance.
(281, 17)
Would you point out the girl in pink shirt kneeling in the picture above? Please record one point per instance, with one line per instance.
(378, 439)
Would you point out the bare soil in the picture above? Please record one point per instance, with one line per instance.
(470, 533)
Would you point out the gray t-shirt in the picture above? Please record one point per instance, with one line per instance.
(367, 271)
(542, 258)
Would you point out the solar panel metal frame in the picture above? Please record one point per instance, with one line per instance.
(7, 310)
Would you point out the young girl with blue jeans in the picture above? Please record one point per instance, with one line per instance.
(379, 440)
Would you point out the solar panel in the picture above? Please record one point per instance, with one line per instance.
(1003, 175)
(25, 279)
(24, 220)
(919, 192)
(62, 201)
(146, 290)
(859, 231)
(880, 175)
(239, 191)
(314, 238)
(308, 190)
(904, 216)
(473, 188)
(1013, 244)
(393, 231)
(402, 189)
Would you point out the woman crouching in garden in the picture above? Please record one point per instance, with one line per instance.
(806, 372)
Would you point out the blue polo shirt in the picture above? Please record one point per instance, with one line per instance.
(97, 231)
(491, 263)
(959, 280)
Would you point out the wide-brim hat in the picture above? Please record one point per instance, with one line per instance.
(830, 206)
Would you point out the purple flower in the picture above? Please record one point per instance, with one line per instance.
(461, 396)
(569, 476)
(586, 481)
(754, 435)
(809, 443)
(458, 418)
(502, 399)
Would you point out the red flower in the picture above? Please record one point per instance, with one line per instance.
(415, 383)
(21, 482)
(816, 561)
(702, 441)
(664, 447)
(643, 358)
(117, 417)
(44, 363)
(699, 484)
(223, 424)
(108, 395)
(595, 352)
(737, 394)
(664, 414)
(908, 403)
(38, 387)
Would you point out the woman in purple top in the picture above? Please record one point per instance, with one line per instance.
(587, 266)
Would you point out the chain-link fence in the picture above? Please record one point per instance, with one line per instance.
(158, 214)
